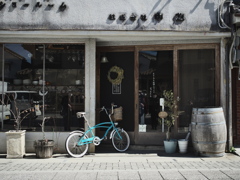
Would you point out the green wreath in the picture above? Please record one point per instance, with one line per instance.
(119, 77)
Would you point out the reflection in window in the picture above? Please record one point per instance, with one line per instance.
(196, 82)
(63, 89)
(155, 76)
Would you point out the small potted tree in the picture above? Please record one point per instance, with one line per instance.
(16, 138)
(44, 146)
(172, 114)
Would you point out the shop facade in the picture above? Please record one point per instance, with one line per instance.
(55, 64)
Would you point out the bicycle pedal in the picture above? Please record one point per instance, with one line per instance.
(96, 141)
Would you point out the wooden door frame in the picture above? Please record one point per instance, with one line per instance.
(214, 46)
(138, 135)
(175, 48)
(100, 51)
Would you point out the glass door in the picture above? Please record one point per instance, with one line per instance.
(155, 76)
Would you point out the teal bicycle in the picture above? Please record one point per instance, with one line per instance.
(77, 142)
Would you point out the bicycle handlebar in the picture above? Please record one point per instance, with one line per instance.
(102, 109)
(112, 106)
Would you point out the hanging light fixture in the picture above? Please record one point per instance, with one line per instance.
(104, 59)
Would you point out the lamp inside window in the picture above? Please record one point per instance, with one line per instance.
(104, 59)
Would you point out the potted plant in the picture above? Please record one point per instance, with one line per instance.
(44, 146)
(171, 115)
(15, 138)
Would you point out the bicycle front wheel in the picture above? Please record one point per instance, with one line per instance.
(72, 146)
(120, 140)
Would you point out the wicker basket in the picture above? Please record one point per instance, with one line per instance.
(117, 114)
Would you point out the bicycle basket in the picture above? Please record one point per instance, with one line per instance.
(117, 114)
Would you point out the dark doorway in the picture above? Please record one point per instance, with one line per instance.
(124, 94)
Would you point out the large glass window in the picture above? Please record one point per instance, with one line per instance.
(155, 76)
(47, 77)
(196, 82)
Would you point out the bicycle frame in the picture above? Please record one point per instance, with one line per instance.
(107, 125)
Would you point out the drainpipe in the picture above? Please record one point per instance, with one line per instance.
(229, 105)
(229, 67)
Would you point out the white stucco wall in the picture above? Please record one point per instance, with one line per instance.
(200, 15)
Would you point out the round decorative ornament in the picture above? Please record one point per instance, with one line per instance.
(120, 76)
(162, 114)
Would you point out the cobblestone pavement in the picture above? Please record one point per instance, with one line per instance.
(120, 166)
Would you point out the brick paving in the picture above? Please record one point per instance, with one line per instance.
(121, 166)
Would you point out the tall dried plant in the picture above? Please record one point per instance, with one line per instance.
(18, 114)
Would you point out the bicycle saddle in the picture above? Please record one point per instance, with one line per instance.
(80, 114)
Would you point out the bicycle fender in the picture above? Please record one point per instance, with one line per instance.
(111, 135)
(76, 132)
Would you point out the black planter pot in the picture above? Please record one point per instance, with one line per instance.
(44, 148)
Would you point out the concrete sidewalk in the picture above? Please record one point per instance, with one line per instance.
(119, 166)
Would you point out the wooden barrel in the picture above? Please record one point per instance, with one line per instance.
(209, 132)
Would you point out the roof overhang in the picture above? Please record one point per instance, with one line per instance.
(62, 36)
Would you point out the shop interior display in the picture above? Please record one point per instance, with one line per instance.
(46, 77)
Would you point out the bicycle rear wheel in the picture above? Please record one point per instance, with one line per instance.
(72, 146)
(120, 141)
